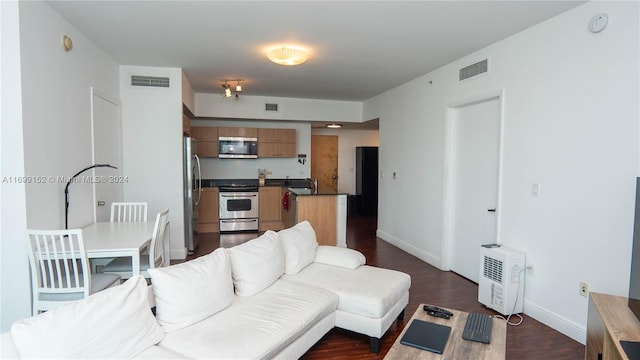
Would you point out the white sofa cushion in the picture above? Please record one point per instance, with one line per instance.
(299, 244)
(255, 327)
(114, 323)
(256, 264)
(367, 291)
(339, 256)
(191, 291)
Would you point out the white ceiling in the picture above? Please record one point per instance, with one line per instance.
(358, 48)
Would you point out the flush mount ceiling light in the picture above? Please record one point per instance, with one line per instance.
(288, 55)
(334, 126)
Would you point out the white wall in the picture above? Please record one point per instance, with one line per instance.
(281, 168)
(152, 147)
(348, 140)
(55, 117)
(57, 113)
(15, 293)
(571, 124)
(252, 107)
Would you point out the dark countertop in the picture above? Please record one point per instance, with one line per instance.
(289, 183)
(309, 192)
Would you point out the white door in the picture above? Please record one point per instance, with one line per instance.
(475, 159)
(107, 149)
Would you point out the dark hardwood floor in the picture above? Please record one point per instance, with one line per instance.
(530, 340)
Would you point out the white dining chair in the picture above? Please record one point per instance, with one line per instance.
(60, 270)
(128, 211)
(155, 257)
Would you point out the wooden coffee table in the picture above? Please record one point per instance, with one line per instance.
(456, 347)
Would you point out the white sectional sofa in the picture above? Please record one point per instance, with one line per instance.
(270, 298)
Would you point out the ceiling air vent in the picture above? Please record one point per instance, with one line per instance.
(152, 81)
(270, 107)
(472, 70)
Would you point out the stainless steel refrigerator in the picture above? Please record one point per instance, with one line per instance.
(192, 193)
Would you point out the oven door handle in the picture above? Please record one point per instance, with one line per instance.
(238, 196)
(239, 220)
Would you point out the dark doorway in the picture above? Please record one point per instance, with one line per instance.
(367, 180)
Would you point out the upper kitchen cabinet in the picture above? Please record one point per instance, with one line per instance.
(207, 138)
(186, 125)
(277, 143)
(237, 132)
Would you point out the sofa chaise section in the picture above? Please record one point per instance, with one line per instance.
(370, 298)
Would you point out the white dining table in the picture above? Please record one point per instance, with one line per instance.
(118, 239)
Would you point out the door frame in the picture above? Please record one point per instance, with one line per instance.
(92, 93)
(449, 176)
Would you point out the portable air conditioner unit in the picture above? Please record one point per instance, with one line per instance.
(501, 285)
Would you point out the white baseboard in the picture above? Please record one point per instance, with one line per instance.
(420, 254)
(178, 254)
(555, 321)
(551, 319)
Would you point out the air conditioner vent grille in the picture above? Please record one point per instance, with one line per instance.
(472, 70)
(150, 81)
(492, 269)
(271, 107)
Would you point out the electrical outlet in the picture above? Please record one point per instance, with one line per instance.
(584, 289)
(530, 270)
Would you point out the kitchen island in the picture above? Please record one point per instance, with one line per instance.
(326, 211)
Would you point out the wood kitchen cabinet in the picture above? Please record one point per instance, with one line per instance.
(277, 143)
(186, 125)
(208, 212)
(207, 138)
(238, 132)
(270, 208)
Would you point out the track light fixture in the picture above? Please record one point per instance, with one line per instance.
(227, 89)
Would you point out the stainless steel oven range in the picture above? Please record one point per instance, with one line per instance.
(238, 208)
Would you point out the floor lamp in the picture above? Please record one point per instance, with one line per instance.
(66, 190)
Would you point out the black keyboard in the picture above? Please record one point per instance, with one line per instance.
(478, 328)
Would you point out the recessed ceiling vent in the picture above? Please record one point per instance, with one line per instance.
(150, 81)
(270, 107)
(472, 70)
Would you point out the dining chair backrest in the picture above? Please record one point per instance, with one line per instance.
(128, 211)
(156, 247)
(58, 260)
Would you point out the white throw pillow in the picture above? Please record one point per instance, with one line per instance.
(339, 256)
(192, 291)
(113, 323)
(256, 264)
(299, 244)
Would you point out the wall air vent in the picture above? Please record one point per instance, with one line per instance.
(150, 81)
(270, 107)
(472, 70)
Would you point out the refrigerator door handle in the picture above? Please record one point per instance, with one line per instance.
(199, 180)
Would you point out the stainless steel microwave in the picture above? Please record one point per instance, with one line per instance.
(237, 148)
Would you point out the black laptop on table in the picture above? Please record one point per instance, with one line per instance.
(426, 336)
